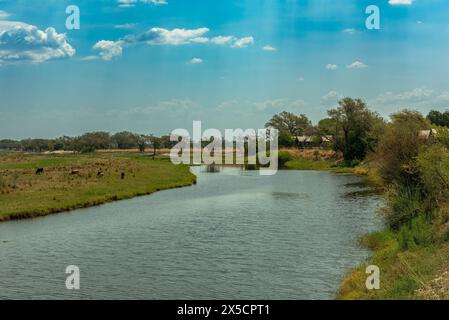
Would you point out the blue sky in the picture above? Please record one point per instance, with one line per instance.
(151, 66)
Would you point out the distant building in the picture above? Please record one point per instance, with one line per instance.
(427, 134)
(304, 142)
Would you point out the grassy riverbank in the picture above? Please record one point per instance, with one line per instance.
(72, 181)
(421, 272)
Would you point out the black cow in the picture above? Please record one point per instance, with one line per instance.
(40, 171)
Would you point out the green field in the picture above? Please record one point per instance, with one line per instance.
(23, 194)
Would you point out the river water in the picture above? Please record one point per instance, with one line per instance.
(234, 235)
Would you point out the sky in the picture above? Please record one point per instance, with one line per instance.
(151, 66)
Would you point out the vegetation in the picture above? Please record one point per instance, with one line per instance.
(89, 142)
(412, 253)
(439, 118)
(76, 181)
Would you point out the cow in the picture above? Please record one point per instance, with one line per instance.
(74, 172)
(40, 171)
(100, 174)
(123, 175)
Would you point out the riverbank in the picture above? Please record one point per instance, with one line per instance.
(420, 272)
(70, 182)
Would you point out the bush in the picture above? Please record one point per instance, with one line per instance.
(398, 148)
(283, 158)
(403, 204)
(416, 233)
(433, 167)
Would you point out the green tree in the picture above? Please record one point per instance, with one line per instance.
(439, 118)
(355, 129)
(399, 146)
(289, 123)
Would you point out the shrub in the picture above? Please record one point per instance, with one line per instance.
(433, 167)
(418, 232)
(283, 158)
(403, 203)
(398, 148)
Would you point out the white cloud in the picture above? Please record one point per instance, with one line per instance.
(332, 96)
(4, 15)
(279, 104)
(200, 40)
(222, 39)
(331, 66)
(349, 31)
(90, 58)
(268, 48)
(356, 65)
(175, 37)
(160, 36)
(195, 61)
(417, 94)
(301, 79)
(243, 42)
(109, 49)
(422, 99)
(132, 3)
(125, 26)
(21, 42)
(400, 2)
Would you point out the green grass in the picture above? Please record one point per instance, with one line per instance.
(24, 194)
(318, 165)
(405, 274)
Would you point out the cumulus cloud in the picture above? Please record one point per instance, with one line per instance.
(243, 42)
(195, 61)
(222, 39)
(331, 66)
(269, 48)
(175, 37)
(356, 65)
(161, 36)
(132, 3)
(109, 49)
(21, 42)
(400, 2)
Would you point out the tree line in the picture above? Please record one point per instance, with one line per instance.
(352, 129)
(89, 142)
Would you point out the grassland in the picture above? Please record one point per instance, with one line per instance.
(418, 273)
(23, 194)
(317, 160)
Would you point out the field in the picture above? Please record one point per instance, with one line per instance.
(77, 181)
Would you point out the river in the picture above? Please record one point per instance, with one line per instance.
(234, 235)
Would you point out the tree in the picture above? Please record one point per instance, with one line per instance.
(156, 142)
(125, 140)
(399, 147)
(439, 118)
(354, 128)
(92, 141)
(289, 125)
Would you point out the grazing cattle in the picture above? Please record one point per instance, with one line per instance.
(123, 175)
(100, 174)
(40, 171)
(74, 172)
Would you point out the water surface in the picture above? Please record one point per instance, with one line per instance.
(235, 235)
